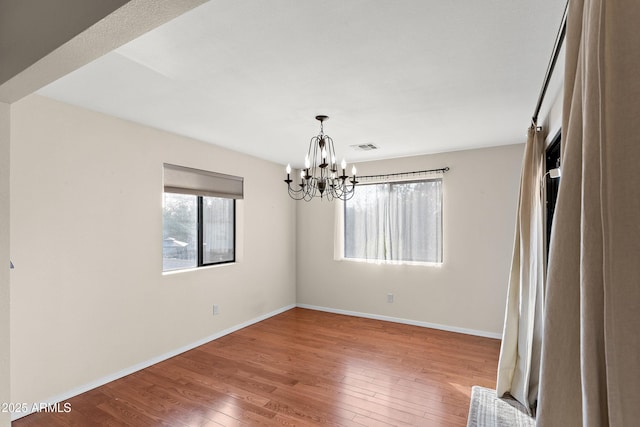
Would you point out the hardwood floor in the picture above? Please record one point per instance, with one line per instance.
(302, 367)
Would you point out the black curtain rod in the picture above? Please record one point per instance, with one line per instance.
(389, 175)
(552, 63)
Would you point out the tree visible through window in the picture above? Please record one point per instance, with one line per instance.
(395, 221)
(179, 231)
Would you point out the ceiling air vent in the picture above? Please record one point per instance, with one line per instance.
(364, 147)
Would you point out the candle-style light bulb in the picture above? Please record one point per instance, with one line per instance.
(353, 170)
(324, 154)
(307, 162)
(288, 169)
(343, 165)
(302, 174)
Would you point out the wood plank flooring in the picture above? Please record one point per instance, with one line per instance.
(302, 367)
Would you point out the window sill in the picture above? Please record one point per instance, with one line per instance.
(203, 268)
(386, 262)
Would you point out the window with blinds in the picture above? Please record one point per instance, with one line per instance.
(198, 227)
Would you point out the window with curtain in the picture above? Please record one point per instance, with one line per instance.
(395, 222)
(198, 227)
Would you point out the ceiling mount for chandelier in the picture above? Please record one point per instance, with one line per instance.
(320, 178)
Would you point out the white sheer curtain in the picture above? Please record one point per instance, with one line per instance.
(395, 221)
(590, 371)
(519, 362)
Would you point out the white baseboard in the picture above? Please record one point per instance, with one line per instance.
(142, 365)
(405, 321)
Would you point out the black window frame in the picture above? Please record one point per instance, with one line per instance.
(200, 225)
(553, 157)
(200, 234)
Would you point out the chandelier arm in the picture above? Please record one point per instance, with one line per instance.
(331, 154)
(314, 163)
(296, 194)
(310, 193)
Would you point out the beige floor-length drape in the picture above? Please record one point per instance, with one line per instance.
(518, 368)
(590, 370)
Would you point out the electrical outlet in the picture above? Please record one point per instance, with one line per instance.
(216, 309)
(389, 297)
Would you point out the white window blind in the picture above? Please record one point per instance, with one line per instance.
(184, 180)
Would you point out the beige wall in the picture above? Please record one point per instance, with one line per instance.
(88, 298)
(468, 291)
(5, 389)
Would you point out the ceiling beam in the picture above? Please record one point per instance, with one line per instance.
(36, 50)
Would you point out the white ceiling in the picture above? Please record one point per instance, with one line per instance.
(410, 76)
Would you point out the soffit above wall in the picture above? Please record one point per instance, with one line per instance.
(43, 41)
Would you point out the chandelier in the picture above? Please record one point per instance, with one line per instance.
(320, 178)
